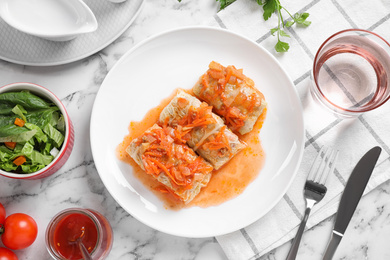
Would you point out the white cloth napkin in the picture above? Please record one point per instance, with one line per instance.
(351, 137)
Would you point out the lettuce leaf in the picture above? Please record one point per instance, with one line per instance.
(54, 135)
(7, 119)
(8, 166)
(12, 133)
(20, 111)
(40, 136)
(43, 117)
(5, 108)
(38, 158)
(25, 99)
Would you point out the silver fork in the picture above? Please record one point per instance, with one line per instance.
(314, 190)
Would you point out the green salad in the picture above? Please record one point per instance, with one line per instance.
(31, 132)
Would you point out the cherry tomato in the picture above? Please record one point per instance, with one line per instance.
(2, 214)
(6, 254)
(20, 231)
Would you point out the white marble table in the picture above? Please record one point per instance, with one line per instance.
(78, 184)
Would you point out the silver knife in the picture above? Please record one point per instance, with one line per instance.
(352, 193)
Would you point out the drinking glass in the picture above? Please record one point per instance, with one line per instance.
(351, 73)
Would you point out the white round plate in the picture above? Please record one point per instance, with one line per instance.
(113, 19)
(175, 59)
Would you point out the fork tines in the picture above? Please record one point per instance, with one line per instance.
(323, 165)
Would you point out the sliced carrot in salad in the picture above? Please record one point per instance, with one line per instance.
(19, 122)
(10, 145)
(19, 160)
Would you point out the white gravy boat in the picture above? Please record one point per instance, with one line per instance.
(56, 20)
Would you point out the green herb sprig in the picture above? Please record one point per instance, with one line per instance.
(270, 7)
(224, 3)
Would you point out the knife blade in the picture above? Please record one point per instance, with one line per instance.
(349, 200)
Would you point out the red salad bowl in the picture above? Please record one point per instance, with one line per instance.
(67, 145)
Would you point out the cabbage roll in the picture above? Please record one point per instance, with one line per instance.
(205, 132)
(181, 171)
(233, 96)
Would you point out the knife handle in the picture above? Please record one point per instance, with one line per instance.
(332, 246)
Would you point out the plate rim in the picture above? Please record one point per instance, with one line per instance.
(296, 96)
(80, 57)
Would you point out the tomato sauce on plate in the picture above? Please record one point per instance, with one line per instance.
(226, 183)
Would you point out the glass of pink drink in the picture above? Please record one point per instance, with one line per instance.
(351, 73)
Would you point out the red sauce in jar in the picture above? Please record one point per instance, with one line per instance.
(69, 229)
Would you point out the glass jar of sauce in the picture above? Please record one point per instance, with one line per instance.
(75, 225)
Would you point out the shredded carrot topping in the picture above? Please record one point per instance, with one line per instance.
(214, 82)
(205, 85)
(182, 102)
(165, 154)
(218, 142)
(200, 117)
(234, 118)
(216, 74)
(216, 66)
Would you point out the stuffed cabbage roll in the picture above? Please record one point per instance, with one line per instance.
(172, 163)
(205, 132)
(233, 96)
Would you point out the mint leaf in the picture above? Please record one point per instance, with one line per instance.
(282, 46)
(301, 19)
(289, 23)
(269, 8)
(274, 6)
(283, 33)
(224, 3)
